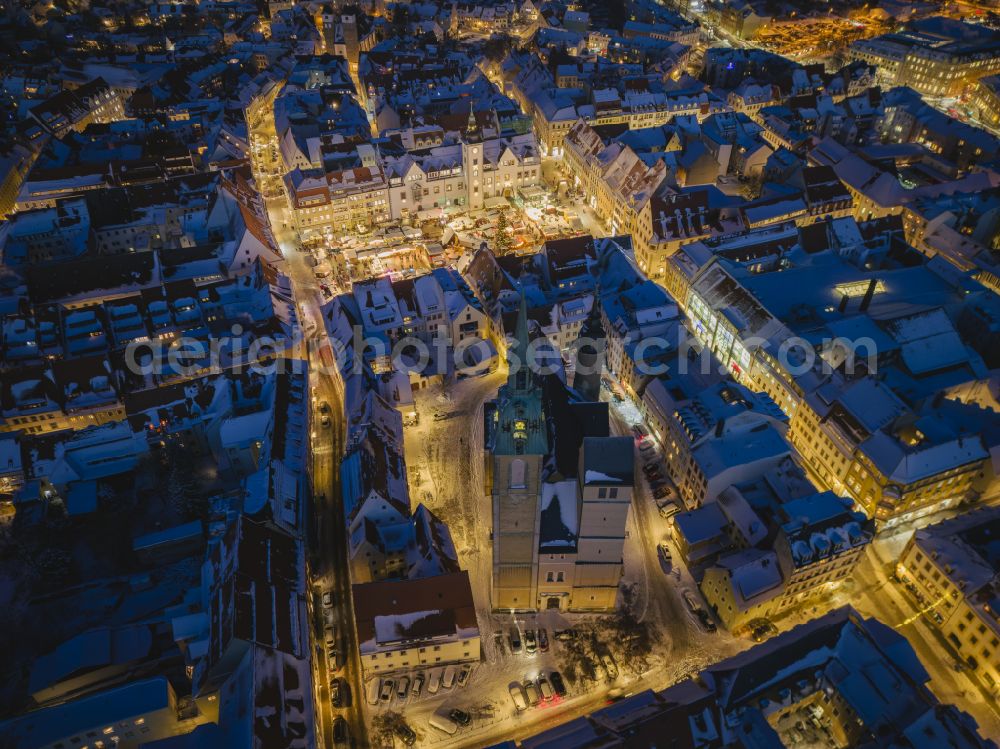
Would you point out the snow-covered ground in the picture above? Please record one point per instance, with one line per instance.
(686, 648)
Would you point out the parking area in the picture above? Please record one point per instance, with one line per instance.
(534, 667)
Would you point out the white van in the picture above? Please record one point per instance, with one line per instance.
(434, 681)
(449, 677)
(443, 723)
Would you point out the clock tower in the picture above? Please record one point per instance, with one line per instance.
(473, 161)
(520, 444)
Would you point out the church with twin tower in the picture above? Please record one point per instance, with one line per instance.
(561, 488)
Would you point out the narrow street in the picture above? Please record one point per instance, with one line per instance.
(687, 647)
(328, 537)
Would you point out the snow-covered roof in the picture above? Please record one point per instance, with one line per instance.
(608, 460)
(903, 465)
(110, 707)
(559, 522)
(434, 549)
(391, 612)
(754, 575)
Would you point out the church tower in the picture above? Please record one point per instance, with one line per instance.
(520, 445)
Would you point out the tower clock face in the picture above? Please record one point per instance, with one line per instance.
(520, 429)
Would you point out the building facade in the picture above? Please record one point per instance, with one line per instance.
(949, 571)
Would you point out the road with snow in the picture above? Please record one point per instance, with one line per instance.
(329, 569)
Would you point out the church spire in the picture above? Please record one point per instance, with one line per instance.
(519, 378)
(472, 126)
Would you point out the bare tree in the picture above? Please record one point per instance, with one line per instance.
(383, 725)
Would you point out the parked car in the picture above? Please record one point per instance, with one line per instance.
(557, 683)
(564, 634)
(463, 675)
(693, 604)
(534, 696)
(333, 658)
(331, 635)
(666, 559)
(515, 641)
(336, 699)
(448, 680)
(668, 510)
(403, 687)
(341, 732)
(346, 697)
(609, 666)
(385, 694)
(639, 430)
(543, 640)
(762, 629)
(653, 476)
(517, 694)
(443, 723)
(405, 733)
(434, 681)
(418, 683)
(545, 687)
(651, 467)
(647, 447)
(460, 716)
(661, 491)
(328, 599)
(705, 620)
(530, 643)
